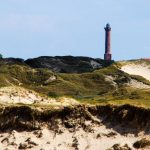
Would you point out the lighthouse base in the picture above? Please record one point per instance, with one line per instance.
(107, 57)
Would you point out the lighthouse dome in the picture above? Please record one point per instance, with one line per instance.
(108, 25)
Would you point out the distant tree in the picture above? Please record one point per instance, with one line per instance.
(1, 56)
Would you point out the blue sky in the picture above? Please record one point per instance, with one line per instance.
(32, 28)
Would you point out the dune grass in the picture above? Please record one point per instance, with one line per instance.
(85, 87)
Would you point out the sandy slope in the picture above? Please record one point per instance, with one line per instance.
(137, 69)
(99, 137)
(14, 95)
(45, 139)
(139, 85)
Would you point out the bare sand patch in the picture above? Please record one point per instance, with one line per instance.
(15, 95)
(137, 69)
(80, 139)
(139, 85)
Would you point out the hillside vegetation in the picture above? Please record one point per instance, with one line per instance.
(89, 101)
(104, 85)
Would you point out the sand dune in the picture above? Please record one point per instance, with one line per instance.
(16, 95)
(100, 139)
(137, 69)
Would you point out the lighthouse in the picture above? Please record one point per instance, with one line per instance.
(107, 55)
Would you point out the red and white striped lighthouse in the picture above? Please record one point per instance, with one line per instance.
(107, 55)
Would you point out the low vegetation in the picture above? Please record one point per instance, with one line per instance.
(90, 87)
(25, 117)
(104, 104)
